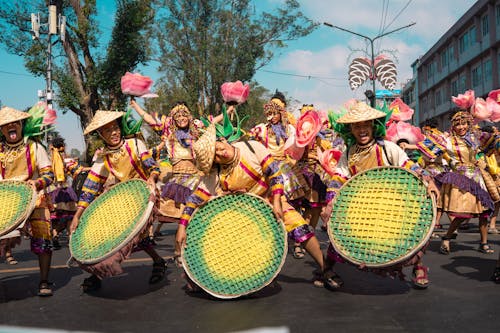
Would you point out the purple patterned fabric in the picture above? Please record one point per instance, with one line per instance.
(280, 132)
(301, 233)
(63, 194)
(176, 192)
(466, 184)
(41, 246)
(184, 137)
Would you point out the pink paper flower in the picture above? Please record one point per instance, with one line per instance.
(464, 101)
(135, 84)
(400, 110)
(480, 111)
(50, 117)
(292, 150)
(308, 125)
(495, 95)
(329, 159)
(402, 130)
(235, 92)
(494, 107)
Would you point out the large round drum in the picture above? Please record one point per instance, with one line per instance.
(234, 246)
(381, 217)
(17, 200)
(111, 221)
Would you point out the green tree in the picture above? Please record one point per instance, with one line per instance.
(86, 73)
(204, 43)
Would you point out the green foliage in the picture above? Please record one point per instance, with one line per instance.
(129, 125)
(204, 43)
(127, 49)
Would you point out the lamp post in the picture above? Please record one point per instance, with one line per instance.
(371, 40)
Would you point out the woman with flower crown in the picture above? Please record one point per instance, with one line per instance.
(273, 135)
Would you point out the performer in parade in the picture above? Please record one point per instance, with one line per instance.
(363, 129)
(247, 166)
(464, 193)
(23, 158)
(63, 196)
(273, 136)
(123, 159)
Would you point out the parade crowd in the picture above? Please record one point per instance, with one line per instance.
(296, 163)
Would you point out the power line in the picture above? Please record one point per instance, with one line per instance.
(397, 15)
(17, 74)
(303, 76)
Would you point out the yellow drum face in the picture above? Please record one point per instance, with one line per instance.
(381, 216)
(17, 198)
(235, 245)
(109, 221)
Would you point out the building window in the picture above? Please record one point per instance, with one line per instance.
(485, 25)
(430, 70)
(444, 58)
(461, 83)
(472, 35)
(487, 70)
(454, 87)
(463, 42)
(497, 14)
(477, 76)
(451, 52)
(437, 97)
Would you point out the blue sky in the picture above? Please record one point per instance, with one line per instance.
(311, 70)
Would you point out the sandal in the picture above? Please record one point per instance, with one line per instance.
(493, 231)
(298, 253)
(11, 260)
(91, 283)
(158, 272)
(44, 289)
(485, 248)
(445, 249)
(332, 281)
(422, 281)
(496, 275)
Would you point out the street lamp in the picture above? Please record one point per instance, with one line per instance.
(371, 40)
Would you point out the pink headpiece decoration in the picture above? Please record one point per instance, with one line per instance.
(402, 130)
(465, 100)
(234, 92)
(400, 110)
(308, 125)
(329, 159)
(135, 84)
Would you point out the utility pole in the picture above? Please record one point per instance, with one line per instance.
(371, 95)
(56, 25)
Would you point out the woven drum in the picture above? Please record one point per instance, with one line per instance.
(235, 245)
(17, 200)
(381, 217)
(111, 221)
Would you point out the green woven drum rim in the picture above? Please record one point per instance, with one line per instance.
(13, 215)
(224, 263)
(137, 213)
(381, 217)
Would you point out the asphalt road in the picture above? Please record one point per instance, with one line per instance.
(461, 297)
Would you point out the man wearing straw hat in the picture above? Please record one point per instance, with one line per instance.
(124, 159)
(22, 158)
(363, 128)
(247, 166)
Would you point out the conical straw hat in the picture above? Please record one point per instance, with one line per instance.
(102, 118)
(360, 112)
(204, 149)
(10, 115)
